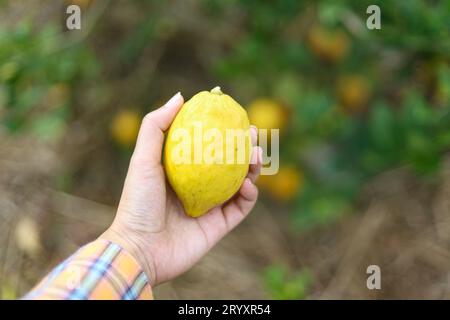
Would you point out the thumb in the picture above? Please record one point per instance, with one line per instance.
(151, 134)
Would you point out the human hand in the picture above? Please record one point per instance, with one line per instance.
(150, 222)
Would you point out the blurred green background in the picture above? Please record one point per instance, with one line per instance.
(365, 134)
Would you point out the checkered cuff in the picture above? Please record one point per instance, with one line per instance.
(99, 270)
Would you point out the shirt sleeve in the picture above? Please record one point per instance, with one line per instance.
(100, 270)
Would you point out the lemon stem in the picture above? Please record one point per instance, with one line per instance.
(217, 90)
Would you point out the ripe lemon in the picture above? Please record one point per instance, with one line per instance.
(125, 127)
(285, 185)
(329, 45)
(265, 113)
(353, 93)
(199, 184)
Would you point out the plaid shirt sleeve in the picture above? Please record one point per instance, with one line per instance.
(99, 270)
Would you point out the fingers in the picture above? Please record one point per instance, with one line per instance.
(219, 221)
(255, 164)
(256, 158)
(248, 194)
(151, 134)
(164, 116)
(235, 211)
(254, 134)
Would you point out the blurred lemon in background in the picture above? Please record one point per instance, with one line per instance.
(125, 127)
(27, 236)
(283, 186)
(353, 92)
(329, 45)
(266, 113)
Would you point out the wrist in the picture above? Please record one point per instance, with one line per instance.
(132, 246)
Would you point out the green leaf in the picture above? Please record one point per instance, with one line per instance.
(283, 285)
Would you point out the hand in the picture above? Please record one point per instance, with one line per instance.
(150, 221)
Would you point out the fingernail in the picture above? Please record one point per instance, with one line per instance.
(174, 98)
(254, 157)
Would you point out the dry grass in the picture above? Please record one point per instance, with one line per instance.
(404, 229)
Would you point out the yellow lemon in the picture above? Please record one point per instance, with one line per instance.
(125, 127)
(203, 165)
(353, 93)
(329, 45)
(265, 113)
(286, 184)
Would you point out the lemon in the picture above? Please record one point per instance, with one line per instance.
(199, 183)
(125, 127)
(353, 92)
(266, 113)
(329, 45)
(285, 185)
